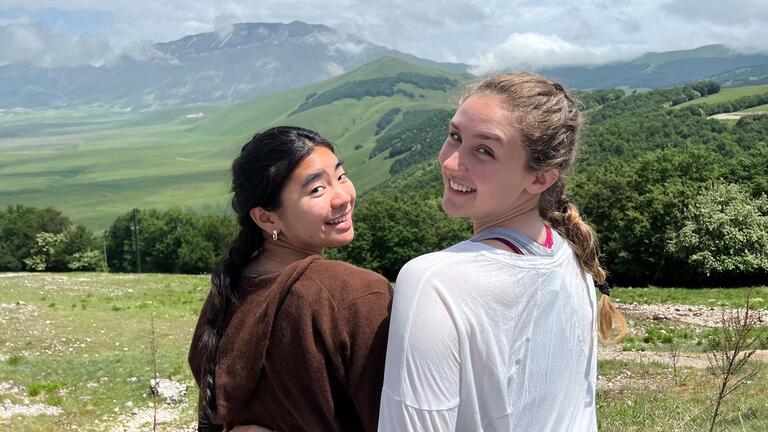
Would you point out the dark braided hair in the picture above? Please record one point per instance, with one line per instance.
(259, 174)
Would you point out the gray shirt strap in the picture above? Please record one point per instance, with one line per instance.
(527, 245)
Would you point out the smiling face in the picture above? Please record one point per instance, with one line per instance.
(316, 204)
(484, 163)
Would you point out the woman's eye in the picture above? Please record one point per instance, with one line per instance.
(343, 177)
(484, 151)
(455, 136)
(317, 190)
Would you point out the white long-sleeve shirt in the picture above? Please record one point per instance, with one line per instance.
(482, 339)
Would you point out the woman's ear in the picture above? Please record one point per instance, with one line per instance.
(265, 219)
(543, 180)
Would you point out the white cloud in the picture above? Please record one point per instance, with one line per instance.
(224, 25)
(598, 31)
(138, 50)
(338, 42)
(334, 69)
(35, 44)
(502, 33)
(732, 12)
(534, 50)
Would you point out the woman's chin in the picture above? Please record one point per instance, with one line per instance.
(451, 210)
(343, 239)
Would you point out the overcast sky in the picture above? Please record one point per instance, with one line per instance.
(488, 33)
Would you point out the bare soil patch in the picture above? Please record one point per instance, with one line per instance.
(708, 316)
(9, 409)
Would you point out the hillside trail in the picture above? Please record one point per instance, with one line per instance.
(706, 316)
(692, 360)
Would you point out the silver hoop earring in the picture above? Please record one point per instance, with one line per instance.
(274, 234)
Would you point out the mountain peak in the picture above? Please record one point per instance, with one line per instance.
(291, 29)
(388, 65)
(240, 35)
(235, 62)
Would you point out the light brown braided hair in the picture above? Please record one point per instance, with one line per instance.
(549, 123)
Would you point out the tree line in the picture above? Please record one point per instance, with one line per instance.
(172, 241)
(373, 87)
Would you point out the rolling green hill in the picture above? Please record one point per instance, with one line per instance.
(94, 165)
(707, 51)
(349, 121)
(665, 69)
(759, 108)
(728, 95)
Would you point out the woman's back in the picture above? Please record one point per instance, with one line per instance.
(491, 340)
(304, 349)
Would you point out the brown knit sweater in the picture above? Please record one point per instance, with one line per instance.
(304, 350)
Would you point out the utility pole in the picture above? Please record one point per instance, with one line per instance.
(104, 245)
(136, 241)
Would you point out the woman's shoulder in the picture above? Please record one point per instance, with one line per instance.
(345, 282)
(444, 264)
(343, 271)
(447, 258)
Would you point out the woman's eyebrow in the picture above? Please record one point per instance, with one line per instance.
(311, 177)
(489, 136)
(482, 135)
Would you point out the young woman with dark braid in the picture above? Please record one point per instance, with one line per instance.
(499, 332)
(287, 339)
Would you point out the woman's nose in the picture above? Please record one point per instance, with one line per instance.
(450, 160)
(341, 197)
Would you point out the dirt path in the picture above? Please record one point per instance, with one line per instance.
(708, 316)
(694, 360)
(736, 115)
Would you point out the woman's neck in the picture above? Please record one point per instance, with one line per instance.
(276, 255)
(524, 219)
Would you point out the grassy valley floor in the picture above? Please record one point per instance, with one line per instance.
(75, 355)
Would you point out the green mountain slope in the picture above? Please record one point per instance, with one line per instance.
(728, 95)
(707, 51)
(94, 165)
(353, 106)
(665, 69)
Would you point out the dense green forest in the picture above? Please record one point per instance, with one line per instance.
(383, 86)
(676, 198)
(387, 119)
(416, 137)
(44, 239)
(173, 241)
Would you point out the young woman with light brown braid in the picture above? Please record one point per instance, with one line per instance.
(499, 332)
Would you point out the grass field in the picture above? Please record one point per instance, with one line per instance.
(95, 164)
(79, 343)
(759, 108)
(108, 163)
(644, 397)
(727, 94)
(732, 297)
